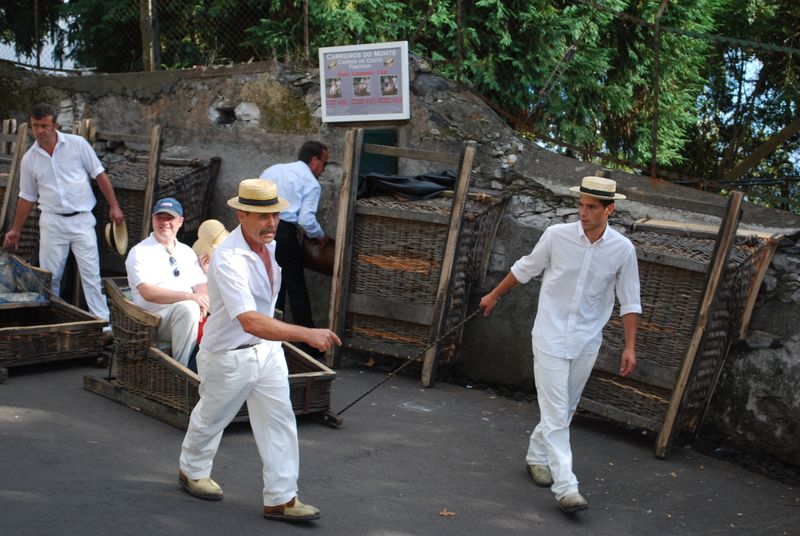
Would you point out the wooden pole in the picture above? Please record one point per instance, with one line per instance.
(342, 253)
(428, 375)
(306, 38)
(148, 26)
(152, 176)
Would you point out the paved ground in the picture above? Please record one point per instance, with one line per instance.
(72, 462)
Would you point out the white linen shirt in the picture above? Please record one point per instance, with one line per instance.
(59, 182)
(301, 189)
(238, 283)
(576, 298)
(148, 262)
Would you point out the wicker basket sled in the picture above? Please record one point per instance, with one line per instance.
(403, 269)
(150, 380)
(41, 328)
(676, 371)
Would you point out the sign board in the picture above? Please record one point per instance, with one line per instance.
(364, 82)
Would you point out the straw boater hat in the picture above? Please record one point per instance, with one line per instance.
(210, 234)
(117, 237)
(258, 195)
(598, 187)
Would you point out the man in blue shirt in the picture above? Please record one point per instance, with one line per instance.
(297, 183)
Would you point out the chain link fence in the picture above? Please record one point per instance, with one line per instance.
(133, 35)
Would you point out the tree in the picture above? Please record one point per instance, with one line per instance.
(581, 72)
(27, 25)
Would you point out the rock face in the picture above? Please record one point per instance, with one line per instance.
(256, 115)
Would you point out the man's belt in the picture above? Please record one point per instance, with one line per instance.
(245, 346)
(71, 214)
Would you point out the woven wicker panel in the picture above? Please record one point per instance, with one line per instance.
(149, 378)
(631, 396)
(308, 394)
(397, 338)
(698, 249)
(397, 259)
(28, 248)
(63, 333)
(132, 338)
(400, 259)
(669, 297)
(723, 326)
(670, 300)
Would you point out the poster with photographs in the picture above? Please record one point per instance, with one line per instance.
(364, 82)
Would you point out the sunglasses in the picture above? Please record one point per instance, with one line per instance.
(174, 263)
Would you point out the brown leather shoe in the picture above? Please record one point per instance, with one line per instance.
(293, 511)
(202, 488)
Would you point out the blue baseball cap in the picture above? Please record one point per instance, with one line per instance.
(170, 205)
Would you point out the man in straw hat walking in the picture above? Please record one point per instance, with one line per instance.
(582, 263)
(241, 359)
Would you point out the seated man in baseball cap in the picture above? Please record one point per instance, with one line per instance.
(166, 279)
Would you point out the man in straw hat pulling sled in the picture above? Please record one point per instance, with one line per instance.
(583, 263)
(241, 359)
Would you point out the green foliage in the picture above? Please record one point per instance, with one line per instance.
(560, 68)
(104, 35)
(26, 30)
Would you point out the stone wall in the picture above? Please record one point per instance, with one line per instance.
(258, 114)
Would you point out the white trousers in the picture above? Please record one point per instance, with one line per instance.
(179, 324)
(559, 384)
(59, 234)
(259, 376)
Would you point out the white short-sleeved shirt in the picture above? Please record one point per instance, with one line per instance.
(148, 262)
(59, 183)
(576, 298)
(238, 283)
(301, 189)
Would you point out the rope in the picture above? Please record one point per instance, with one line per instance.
(411, 360)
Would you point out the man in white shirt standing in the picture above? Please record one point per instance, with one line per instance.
(166, 279)
(583, 264)
(54, 172)
(297, 183)
(241, 359)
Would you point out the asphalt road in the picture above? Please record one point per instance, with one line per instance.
(406, 461)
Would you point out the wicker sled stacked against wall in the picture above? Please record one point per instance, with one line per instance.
(35, 326)
(403, 269)
(684, 333)
(149, 379)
